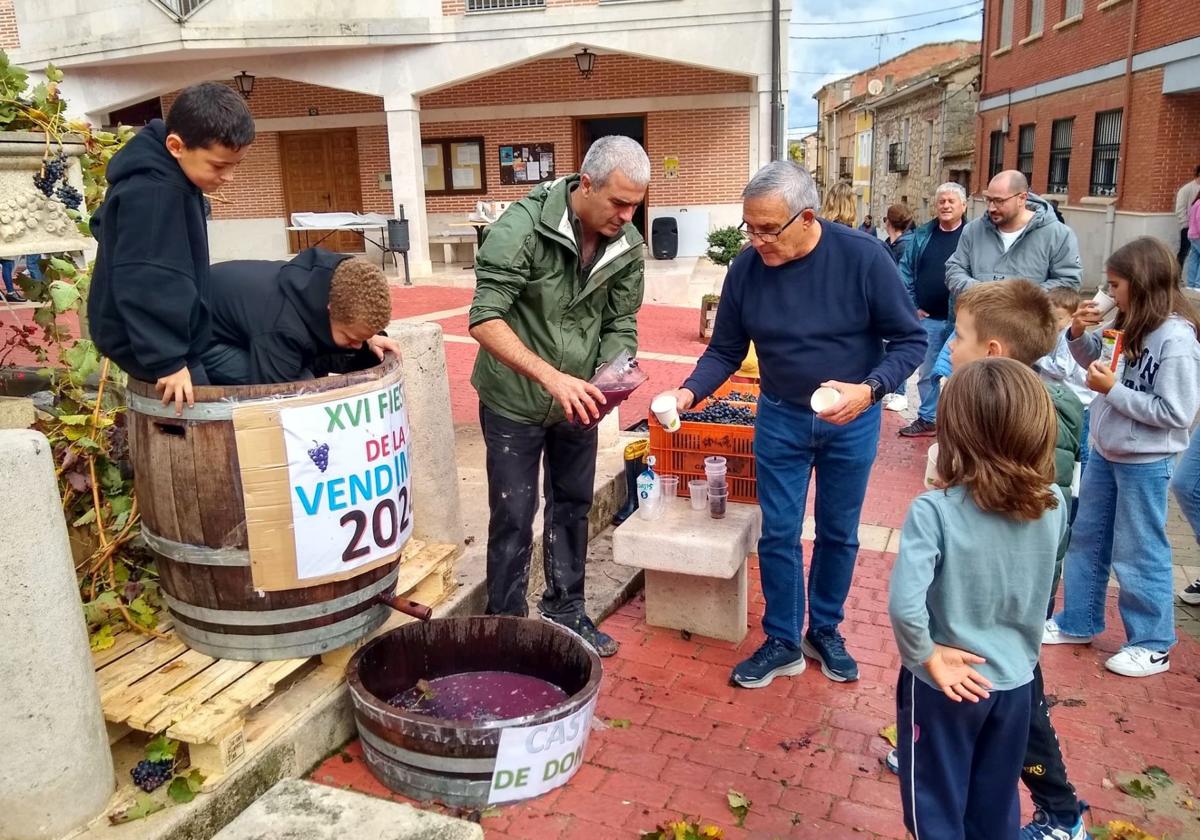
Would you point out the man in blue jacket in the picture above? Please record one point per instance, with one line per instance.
(923, 270)
(818, 300)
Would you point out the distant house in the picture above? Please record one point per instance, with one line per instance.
(846, 131)
(1098, 103)
(924, 136)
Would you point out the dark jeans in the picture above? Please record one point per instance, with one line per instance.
(790, 443)
(959, 762)
(1185, 247)
(514, 452)
(1044, 771)
(227, 365)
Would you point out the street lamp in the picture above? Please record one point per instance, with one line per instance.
(585, 61)
(245, 83)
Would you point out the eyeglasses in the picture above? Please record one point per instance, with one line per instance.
(766, 237)
(996, 202)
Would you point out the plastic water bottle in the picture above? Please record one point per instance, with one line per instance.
(649, 491)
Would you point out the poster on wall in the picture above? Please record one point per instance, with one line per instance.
(527, 164)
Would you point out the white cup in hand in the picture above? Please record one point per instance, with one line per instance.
(824, 399)
(1104, 303)
(666, 409)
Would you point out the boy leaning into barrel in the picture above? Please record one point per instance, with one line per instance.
(146, 307)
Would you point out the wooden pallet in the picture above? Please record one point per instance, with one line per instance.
(225, 710)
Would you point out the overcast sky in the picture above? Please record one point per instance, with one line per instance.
(813, 63)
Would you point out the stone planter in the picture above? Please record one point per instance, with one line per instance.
(30, 223)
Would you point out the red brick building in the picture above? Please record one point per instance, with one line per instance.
(435, 106)
(1098, 102)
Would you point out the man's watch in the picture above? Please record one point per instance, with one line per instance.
(877, 391)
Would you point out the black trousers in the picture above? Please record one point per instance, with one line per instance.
(1043, 771)
(514, 452)
(1185, 247)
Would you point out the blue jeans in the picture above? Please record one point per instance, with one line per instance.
(1186, 484)
(789, 444)
(1192, 269)
(1122, 524)
(7, 267)
(928, 385)
(31, 265)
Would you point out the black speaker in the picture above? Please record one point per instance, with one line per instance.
(664, 238)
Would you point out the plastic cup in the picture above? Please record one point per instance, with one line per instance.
(714, 462)
(824, 399)
(698, 491)
(717, 503)
(931, 473)
(1103, 302)
(670, 487)
(652, 507)
(666, 409)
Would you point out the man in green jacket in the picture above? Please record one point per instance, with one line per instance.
(559, 282)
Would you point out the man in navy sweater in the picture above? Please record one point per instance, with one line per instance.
(818, 300)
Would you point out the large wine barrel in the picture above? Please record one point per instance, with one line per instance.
(452, 761)
(189, 489)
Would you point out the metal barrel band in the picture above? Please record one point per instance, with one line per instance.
(420, 784)
(426, 761)
(281, 645)
(206, 411)
(199, 555)
(286, 615)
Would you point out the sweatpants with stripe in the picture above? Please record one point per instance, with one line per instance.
(960, 762)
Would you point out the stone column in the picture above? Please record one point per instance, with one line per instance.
(408, 177)
(437, 516)
(55, 768)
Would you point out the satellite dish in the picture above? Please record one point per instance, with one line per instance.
(874, 87)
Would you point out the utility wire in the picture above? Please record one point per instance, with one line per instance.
(880, 34)
(882, 20)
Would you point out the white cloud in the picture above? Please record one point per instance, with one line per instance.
(813, 63)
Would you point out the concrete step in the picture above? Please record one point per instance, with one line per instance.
(299, 810)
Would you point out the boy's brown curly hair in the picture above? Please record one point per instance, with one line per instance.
(358, 294)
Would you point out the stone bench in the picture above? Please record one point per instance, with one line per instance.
(695, 566)
(449, 240)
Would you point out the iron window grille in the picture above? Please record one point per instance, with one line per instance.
(897, 157)
(1106, 150)
(503, 5)
(181, 10)
(995, 154)
(1025, 151)
(1060, 155)
(844, 168)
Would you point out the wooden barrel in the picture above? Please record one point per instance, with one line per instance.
(452, 761)
(189, 489)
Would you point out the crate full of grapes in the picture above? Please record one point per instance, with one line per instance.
(721, 425)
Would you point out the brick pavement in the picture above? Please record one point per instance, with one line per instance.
(806, 751)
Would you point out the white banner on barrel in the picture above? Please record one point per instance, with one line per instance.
(532, 760)
(348, 471)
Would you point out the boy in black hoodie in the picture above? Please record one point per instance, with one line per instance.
(146, 306)
(275, 321)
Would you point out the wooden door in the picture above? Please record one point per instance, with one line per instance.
(320, 175)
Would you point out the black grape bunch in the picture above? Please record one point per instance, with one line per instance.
(50, 174)
(721, 411)
(320, 455)
(69, 196)
(150, 775)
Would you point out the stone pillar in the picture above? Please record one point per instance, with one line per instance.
(436, 511)
(408, 178)
(56, 769)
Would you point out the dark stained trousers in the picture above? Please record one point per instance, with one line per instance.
(514, 452)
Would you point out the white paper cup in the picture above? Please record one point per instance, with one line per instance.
(931, 473)
(824, 399)
(666, 409)
(1103, 302)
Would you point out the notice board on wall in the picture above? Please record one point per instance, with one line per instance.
(526, 163)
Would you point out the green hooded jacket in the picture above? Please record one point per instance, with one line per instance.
(527, 273)
(1069, 411)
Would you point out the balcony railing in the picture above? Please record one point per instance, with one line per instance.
(503, 5)
(181, 10)
(897, 157)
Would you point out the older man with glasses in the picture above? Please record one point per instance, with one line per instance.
(818, 300)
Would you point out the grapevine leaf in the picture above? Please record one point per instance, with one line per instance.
(180, 791)
(63, 295)
(889, 734)
(102, 639)
(143, 806)
(121, 574)
(133, 589)
(88, 444)
(161, 748)
(53, 73)
(88, 517)
(63, 267)
(739, 806)
(74, 419)
(112, 482)
(107, 600)
(78, 481)
(1158, 775)
(1137, 789)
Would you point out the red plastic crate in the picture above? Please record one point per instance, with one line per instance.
(682, 454)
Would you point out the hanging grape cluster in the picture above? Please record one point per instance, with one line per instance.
(52, 171)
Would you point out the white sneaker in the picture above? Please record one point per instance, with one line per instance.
(1190, 594)
(1051, 635)
(896, 402)
(1138, 662)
